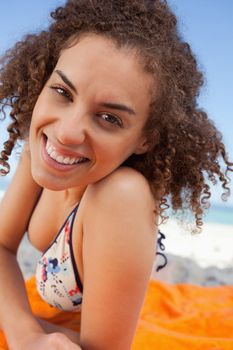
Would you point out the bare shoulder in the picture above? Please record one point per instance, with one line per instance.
(124, 194)
(126, 187)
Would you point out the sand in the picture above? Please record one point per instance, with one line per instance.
(205, 259)
(213, 246)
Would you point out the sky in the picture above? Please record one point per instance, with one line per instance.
(206, 24)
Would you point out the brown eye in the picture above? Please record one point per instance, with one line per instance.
(63, 92)
(111, 119)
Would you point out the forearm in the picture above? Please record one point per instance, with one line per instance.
(15, 312)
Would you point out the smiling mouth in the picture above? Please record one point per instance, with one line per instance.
(60, 159)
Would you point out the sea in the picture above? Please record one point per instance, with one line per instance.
(220, 214)
(217, 213)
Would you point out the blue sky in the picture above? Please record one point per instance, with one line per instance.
(206, 24)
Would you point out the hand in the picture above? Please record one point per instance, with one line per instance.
(53, 341)
(50, 328)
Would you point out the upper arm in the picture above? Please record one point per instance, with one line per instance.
(17, 204)
(118, 254)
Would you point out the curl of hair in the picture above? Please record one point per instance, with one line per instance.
(185, 148)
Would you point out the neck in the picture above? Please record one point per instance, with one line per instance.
(73, 195)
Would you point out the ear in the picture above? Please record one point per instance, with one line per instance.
(142, 147)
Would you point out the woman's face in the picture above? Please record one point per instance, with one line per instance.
(89, 116)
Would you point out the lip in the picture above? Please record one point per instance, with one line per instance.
(55, 165)
(64, 153)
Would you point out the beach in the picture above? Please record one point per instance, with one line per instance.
(203, 259)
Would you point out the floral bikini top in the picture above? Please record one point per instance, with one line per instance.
(57, 277)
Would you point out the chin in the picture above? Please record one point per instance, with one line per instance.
(46, 182)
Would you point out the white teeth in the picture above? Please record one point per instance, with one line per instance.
(66, 160)
(53, 155)
(49, 150)
(59, 158)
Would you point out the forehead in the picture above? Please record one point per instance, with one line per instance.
(95, 63)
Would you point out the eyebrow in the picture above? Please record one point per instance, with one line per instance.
(66, 80)
(117, 106)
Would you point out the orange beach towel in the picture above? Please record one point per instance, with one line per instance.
(173, 317)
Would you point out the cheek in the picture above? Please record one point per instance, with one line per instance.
(41, 108)
(32, 128)
(39, 119)
(34, 116)
(35, 125)
(114, 150)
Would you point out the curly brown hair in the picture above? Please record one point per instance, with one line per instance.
(185, 147)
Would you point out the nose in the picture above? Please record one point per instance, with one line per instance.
(72, 129)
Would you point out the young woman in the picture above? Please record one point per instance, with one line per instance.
(105, 101)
